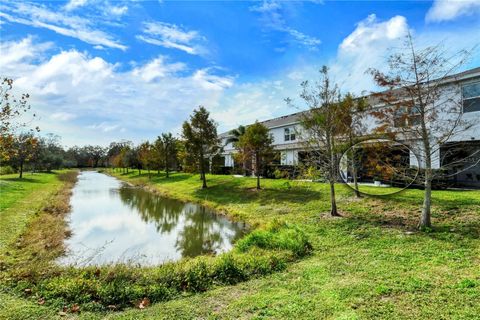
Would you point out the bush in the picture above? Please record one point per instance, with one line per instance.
(99, 288)
(278, 237)
(228, 270)
(6, 170)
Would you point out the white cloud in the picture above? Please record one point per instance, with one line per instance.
(210, 81)
(62, 116)
(86, 99)
(445, 10)
(104, 127)
(13, 52)
(266, 7)
(172, 36)
(158, 68)
(39, 16)
(73, 4)
(260, 100)
(118, 11)
(272, 18)
(367, 47)
(371, 31)
(247, 105)
(370, 44)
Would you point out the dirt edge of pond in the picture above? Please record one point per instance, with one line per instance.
(35, 250)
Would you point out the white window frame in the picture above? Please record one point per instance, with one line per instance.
(289, 134)
(463, 98)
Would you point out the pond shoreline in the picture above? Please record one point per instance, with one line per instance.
(42, 241)
(116, 222)
(150, 187)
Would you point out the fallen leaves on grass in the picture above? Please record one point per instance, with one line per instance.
(145, 302)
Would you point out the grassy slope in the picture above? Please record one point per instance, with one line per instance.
(19, 201)
(364, 265)
(20, 198)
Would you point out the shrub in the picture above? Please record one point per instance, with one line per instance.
(227, 270)
(277, 237)
(99, 288)
(6, 170)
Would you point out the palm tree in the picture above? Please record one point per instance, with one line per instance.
(234, 137)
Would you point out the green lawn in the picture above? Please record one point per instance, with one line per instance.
(20, 199)
(369, 264)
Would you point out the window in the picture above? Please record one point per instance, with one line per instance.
(402, 118)
(471, 97)
(399, 118)
(415, 117)
(289, 135)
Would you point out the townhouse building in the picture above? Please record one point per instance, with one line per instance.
(288, 141)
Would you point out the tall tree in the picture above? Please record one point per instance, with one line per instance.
(201, 139)
(158, 158)
(114, 153)
(49, 153)
(169, 149)
(256, 142)
(234, 138)
(146, 156)
(12, 110)
(419, 108)
(24, 146)
(95, 154)
(351, 113)
(322, 128)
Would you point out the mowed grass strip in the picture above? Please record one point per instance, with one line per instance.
(20, 199)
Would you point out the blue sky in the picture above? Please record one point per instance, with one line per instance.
(100, 71)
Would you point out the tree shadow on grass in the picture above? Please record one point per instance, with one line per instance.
(24, 179)
(235, 191)
(444, 228)
(444, 199)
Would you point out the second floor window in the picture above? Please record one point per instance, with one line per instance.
(405, 117)
(289, 134)
(471, 97)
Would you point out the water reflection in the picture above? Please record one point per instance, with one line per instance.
(112, 222)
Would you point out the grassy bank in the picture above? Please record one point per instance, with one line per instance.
(369, 264)
(31, 271)
(31, 234)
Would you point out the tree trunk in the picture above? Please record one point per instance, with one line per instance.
(333, 202)
(21, 170)
(166, 165)
(333, 175)
(354, 173)
(148, 170)
(202, 171)
(257, 169)
(425, 221)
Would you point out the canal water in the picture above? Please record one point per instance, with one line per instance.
(112, 222)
